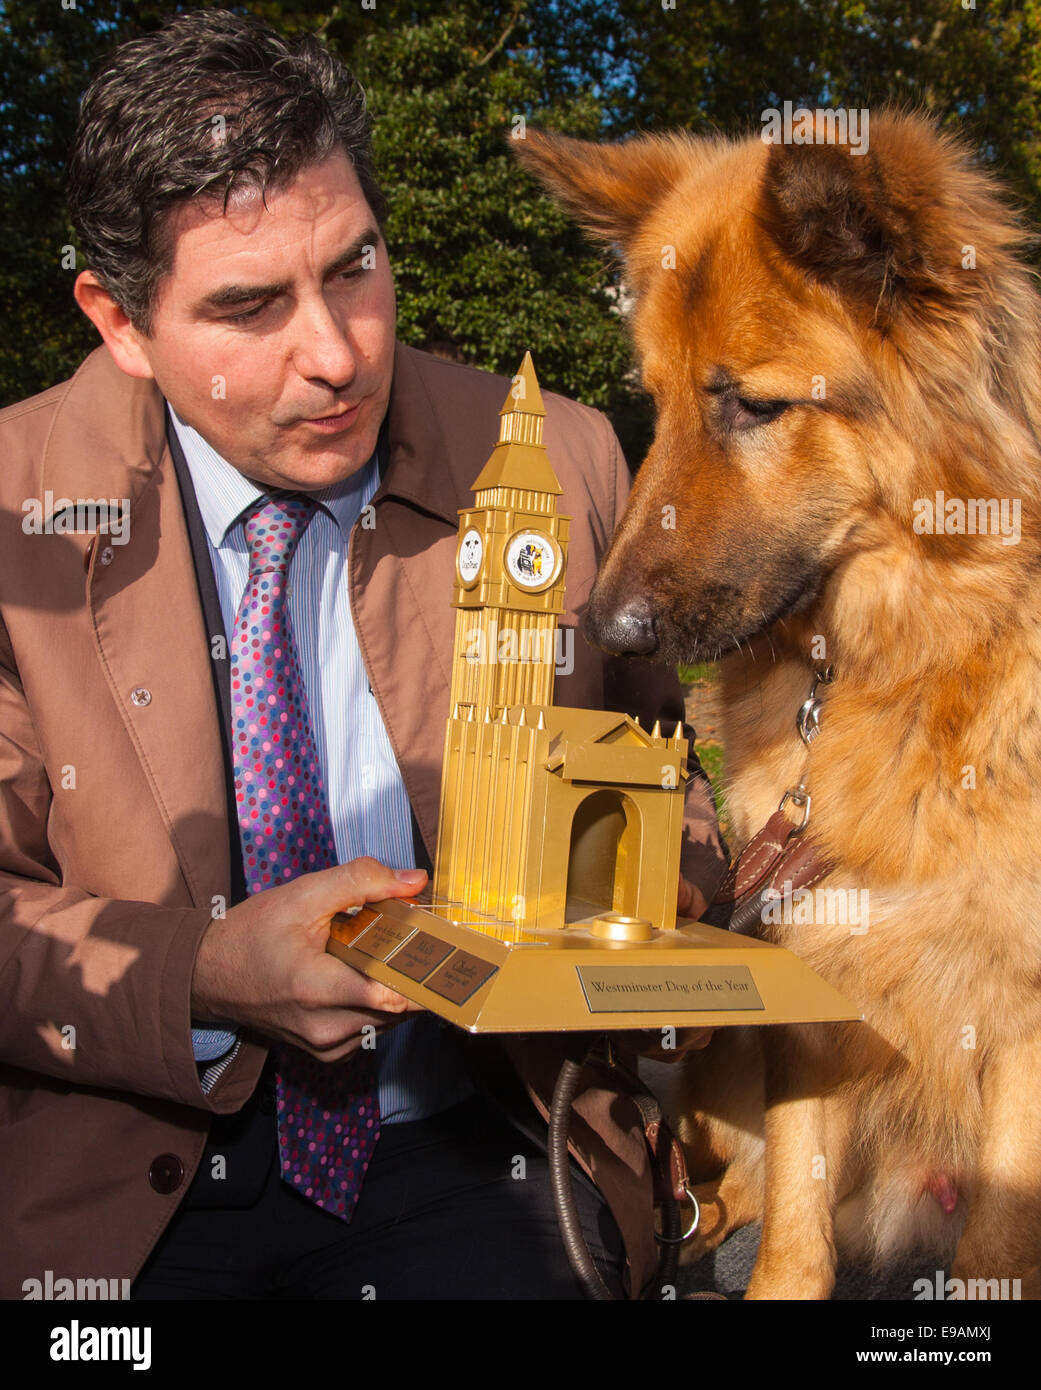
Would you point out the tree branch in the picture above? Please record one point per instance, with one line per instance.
(511, 24)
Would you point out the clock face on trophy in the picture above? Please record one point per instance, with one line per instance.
(532, 560)
(469, 558)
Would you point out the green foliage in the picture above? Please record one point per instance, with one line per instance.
(700, 671)
(974, 63)
(486, 266)
(45, 57)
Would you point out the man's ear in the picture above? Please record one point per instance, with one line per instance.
(122, 339)
(609, 189)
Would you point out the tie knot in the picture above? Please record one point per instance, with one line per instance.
(273, 528)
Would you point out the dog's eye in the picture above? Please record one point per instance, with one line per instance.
(742, 414)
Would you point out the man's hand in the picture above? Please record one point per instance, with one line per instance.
(265, 965)
(689, 900)
(648, 1042)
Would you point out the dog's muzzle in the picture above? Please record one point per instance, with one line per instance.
(626, 628)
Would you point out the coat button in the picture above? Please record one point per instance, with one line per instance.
(107, 555)
(140, 696)
(166, 1173)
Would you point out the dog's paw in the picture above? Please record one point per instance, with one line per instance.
(725, 1205)
(789, 1283)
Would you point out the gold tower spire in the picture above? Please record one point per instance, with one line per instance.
(519, 461)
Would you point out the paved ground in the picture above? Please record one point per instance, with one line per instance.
(727, 1271)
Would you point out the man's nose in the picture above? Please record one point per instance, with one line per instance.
(622, 623)
(323, 349)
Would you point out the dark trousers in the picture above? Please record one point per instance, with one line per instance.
(457, 1206)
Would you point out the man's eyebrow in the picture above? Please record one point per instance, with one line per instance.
(229, 296)
(369, 238)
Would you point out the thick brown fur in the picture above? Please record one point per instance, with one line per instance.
(894, 279)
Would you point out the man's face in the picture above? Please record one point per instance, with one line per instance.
(271, 337)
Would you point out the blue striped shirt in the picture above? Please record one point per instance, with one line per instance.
(417, 1062)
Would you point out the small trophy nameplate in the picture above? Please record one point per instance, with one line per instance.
(383, 938)
(460, 976)
(680, 988)
(420, 955)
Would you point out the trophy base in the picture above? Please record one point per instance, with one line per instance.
(602, 971)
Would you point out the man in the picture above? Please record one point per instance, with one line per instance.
(226, 585)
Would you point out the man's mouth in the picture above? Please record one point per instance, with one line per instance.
(336, 420)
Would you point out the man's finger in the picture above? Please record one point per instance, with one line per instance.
(684, 897)
(352, 885)
(380, 1025)
(329, 1031)
(650, 1043)
(340, 986)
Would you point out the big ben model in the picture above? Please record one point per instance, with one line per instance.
(548, 815)
(553, 900)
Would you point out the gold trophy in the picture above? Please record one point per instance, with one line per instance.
(553, 901)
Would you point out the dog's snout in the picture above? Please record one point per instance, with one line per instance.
(625, 628)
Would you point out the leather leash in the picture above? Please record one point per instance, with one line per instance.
(668, 1160)
(781, 855)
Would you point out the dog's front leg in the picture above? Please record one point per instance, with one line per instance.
(1002, 1236)
(797, 1250)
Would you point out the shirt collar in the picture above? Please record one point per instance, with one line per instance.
(223, 493)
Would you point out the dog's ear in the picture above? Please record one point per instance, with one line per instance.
(888, 227)
(609, 189)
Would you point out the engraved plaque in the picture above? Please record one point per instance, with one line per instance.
(461, 976)
(346, 927)
(382, 936)
(420, 954)
(666, 989)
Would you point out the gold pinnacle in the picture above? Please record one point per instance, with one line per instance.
(519, 459)
(525, 398)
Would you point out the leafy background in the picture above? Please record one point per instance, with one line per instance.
(485, 265)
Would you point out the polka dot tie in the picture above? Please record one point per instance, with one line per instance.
(328, 1115)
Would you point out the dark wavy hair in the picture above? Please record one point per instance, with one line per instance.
(210, 103)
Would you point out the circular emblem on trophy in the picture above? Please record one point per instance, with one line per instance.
(468, 561)
(532, 560)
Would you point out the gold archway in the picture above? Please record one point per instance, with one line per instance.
(603, 871)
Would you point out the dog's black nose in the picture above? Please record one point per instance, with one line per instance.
(625, 630)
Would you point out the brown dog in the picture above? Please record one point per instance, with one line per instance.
(832, 340)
